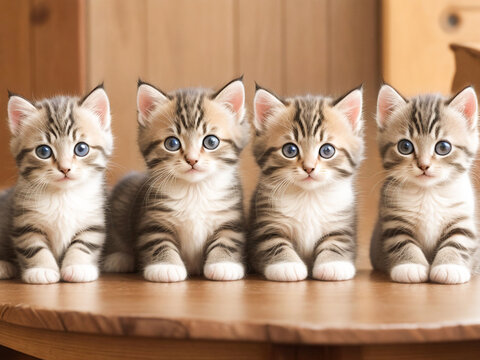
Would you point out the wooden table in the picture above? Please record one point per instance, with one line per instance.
(123, 316)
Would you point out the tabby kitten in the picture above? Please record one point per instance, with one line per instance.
(52, 222)
(184, 215)
(426, 226)
(303, 210)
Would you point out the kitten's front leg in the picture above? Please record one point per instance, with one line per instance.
(334, 255)
(405, 259)
(80, 263)
(455, 248)
(224, 253)
(37, 263)
(159, 254)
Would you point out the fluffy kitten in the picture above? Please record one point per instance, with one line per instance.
(53, 220)
(426, 226)
(303, 210)
(184, 215)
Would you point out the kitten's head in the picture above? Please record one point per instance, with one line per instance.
(427, 139)
(308, 141)
(62, 141)
(191, 134)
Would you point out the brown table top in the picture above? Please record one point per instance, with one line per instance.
(367, 310)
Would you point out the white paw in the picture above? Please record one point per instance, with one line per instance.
(334, 270)
(80, 273)
(165, 273)
(450, 274)
(226, 270)
(409, 273)
(40, 276)
(7, 270)
(119, 262)
(287, 271)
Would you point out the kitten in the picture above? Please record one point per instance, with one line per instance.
(52, 222)
(184, 215)
(303, 210)
(426, 226)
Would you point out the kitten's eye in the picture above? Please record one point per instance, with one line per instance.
(443, 148)
(211, 142)
(405, 147)
(172, 143)
(290, 150)
(327, 151)
(43, 151)
(81, 149)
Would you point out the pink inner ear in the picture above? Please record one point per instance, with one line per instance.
(262, 108)
(233, 95)
(18, 110)
(353, 106)
(145, 103)
(470, 108)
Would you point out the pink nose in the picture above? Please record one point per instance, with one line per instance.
(308, 170)
(191, 162)
(423, 167)
(65, 171)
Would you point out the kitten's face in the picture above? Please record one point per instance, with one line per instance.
(426, 140)
(308, 141)
(61, 142)
(192, 134)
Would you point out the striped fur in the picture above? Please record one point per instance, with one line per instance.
(426, 227)
(180, 219)
(300, 223)
(54, 224)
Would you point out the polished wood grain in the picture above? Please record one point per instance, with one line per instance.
(367, 310)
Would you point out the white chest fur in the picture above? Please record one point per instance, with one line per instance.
(311, 214)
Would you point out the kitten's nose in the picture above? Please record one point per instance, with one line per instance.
(64, 170)
(308, 170)
(423, 167)
(191, 162)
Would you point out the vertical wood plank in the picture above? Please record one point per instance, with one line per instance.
(15, 72)
(354, 59)
(116, 54)
(306, 46)
(58, 48)
(190, 43)
(259, 34)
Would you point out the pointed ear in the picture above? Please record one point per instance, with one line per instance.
(148, 98)
(232, 96)
(18, 110)
(388, 100)
(96, 101)
(351, 105)
(466, 103)
(265, 105)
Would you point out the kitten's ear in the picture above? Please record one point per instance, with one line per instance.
(96, 101)
(351, 105)
(148, 98)
(265, 105)
(18, 110)
(466, 103)
(388, 100)
(232, 96)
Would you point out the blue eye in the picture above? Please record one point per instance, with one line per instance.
(43, 151)
(327, 151)
(443, 148)
(211, 142)
(81, 149)
(405, 147)
(290, 150)
(172, 143)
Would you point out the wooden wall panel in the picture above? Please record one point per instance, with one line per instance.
(117, 56)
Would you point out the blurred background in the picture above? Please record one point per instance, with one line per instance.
(50, 47)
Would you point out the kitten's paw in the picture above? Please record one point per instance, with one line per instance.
(119, 262)
(226, 270)
(7, 270)
(165, 273)
(287, 271)
(40, 276)
(450, 274)
(334, 270)
(79, 273)
(409, 273)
